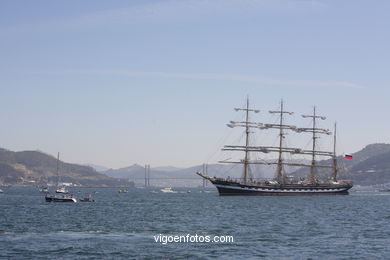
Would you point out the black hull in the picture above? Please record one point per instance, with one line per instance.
(234, 192)
(226, 188)
(59, 199)
(86, 200)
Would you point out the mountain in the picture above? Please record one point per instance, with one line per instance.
(373, 170)
(167, 168)
(369, 166)
(370, 151)
(186, 177)
(98, 168)
(34, 167)
(133, 171)
(163, 178)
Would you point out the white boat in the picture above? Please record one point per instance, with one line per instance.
(167, 190)
(87, 198)
(1, 191)
(44, 189)
(63, 197)
(60, 198)
(62, 190)
(59, 189)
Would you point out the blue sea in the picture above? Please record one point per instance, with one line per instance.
(126, 225)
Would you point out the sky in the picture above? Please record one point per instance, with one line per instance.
(153, 82)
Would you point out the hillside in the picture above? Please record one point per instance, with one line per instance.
(34, 167)
(373, 170)
(186, 177)
(174, 177)
(369, 166)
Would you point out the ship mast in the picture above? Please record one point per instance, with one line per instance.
(247, 125)
(314, 130)
(280, 160)
(246, 168)
(247, 149)
(282, 127)
(313, 158)
(334, 175)
(58, 162)
(279, 171)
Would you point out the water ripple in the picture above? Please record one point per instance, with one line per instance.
(123, 226)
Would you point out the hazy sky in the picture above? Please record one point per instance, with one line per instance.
(122, 82)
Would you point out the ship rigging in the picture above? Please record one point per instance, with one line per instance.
(280, 186)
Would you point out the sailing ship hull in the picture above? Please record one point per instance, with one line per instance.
(226, 188)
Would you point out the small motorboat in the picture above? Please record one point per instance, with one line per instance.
(62, 190)
(44, 189)
(87, 198)
(167, 190)
(60, 198)
(123, 191)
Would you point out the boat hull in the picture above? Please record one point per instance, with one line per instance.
(62, 191)
(235, 189)
(87, 200)
(59, 199)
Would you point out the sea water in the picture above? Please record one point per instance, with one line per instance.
(129, 225)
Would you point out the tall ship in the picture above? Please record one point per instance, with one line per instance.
(281, 185)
